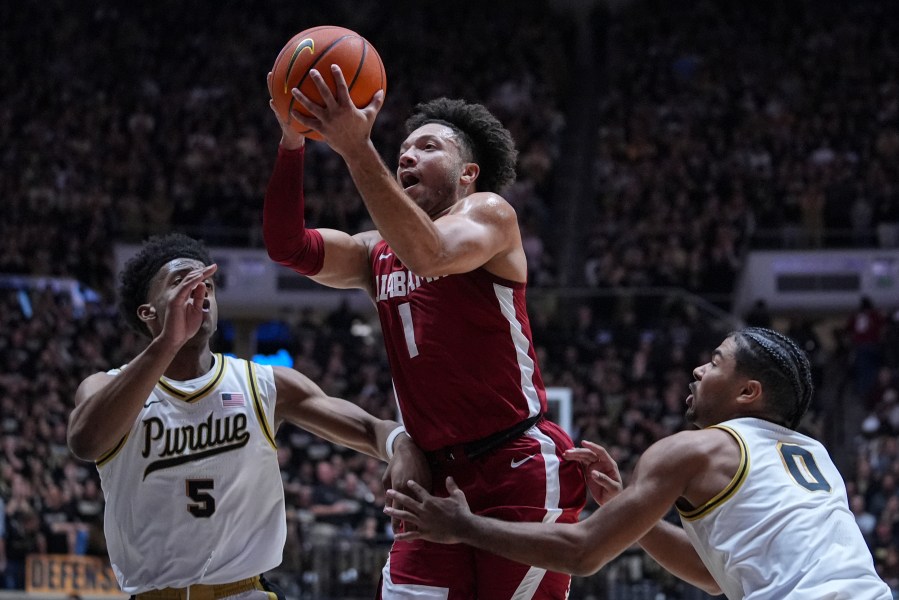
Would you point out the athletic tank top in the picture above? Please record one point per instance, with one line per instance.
(460, 351)
(782, 528)
(193, 492)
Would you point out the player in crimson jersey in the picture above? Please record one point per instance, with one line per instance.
(447, 271)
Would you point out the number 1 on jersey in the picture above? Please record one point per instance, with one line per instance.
(405, 310)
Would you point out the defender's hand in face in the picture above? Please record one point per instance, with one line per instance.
(187, 307)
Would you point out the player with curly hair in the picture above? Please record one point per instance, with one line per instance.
(184, 439)
(447, 272)
(763, 508)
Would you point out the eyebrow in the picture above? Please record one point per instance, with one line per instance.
(428, 137)
(717, 353)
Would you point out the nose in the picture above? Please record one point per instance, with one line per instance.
(698, 371)
(407, 158)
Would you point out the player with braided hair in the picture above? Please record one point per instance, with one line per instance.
(763, 507)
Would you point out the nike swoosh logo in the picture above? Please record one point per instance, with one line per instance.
(151, 402)
(517, 463)
(305, 44)
(383, 256)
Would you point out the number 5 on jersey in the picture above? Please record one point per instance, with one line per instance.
(204, 503)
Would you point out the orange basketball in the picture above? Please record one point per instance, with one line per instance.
(319, 48)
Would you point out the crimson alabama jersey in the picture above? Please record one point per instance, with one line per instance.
(460, 351)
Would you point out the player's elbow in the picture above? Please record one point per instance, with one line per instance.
(83, 442)
(585, 558)
(585, 564)
(277, 251)
(81, 445)
(710, 587)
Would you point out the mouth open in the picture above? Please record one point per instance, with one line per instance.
(206, 306)
(408, 180)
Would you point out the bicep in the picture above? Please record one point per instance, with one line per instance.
(346, 261)
(478, 233)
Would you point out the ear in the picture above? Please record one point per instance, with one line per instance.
(470, 172)
(750, 393)
(146, 312)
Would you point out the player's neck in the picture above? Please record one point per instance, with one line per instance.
(190, 364)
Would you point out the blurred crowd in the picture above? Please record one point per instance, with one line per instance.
(735, 124)
(722, 126)
(148, 116)
(628, 371)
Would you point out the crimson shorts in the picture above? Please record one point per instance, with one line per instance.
(525, 479)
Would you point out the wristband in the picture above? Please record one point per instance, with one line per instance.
(391, 439)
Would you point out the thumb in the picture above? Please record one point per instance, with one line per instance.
(452, 488)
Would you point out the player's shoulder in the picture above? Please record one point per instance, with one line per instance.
(695, 445)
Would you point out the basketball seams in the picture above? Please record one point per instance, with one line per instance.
(284, 50)
(365, 78)
(312, 66)
(361, 62)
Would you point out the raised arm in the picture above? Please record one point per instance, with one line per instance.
(482, 230)
(330, 257)
(107, 405)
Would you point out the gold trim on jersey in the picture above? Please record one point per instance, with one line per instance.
(110, 454)
(731, 488)
(204, 391)
(257, 402)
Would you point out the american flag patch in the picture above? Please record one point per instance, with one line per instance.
(232, 399)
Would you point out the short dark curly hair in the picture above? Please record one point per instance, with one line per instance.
(490, 144)
(782, 367)
(134, 281)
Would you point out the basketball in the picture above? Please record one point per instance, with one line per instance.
(319, 48)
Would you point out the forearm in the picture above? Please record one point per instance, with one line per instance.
(105, 415)
(406, 227)
(287, 240)
(345, 424)
(669, 546)
(560, 547)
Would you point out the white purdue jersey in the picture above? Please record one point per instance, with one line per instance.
(782, 529)
(193, 492)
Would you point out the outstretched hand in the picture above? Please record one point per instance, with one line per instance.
(441, 520)
(343, 126)
(600, 470)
